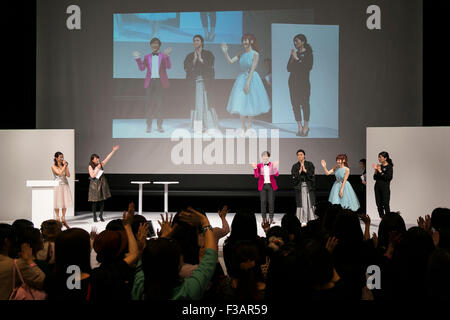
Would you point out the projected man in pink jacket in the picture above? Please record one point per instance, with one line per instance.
(156, 81)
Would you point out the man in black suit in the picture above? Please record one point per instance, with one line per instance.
(304, 182)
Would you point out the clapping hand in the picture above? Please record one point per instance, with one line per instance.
(166, 225)
(294, 54)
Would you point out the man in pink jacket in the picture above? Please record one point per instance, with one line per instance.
(156, 81)
(266, 173)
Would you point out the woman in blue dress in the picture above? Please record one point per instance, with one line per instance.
(248, 97)
(342, 192)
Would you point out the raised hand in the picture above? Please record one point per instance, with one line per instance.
(136, 54)
(168, 51)
(128, 216)
(375, 240)
(276, 163)
(193, 217)
(365, 218)
(254, 165)
(224, 47)
(374, 166)
(265, 224)
(141, 237)
(166, 225)
(323, 163)
(331, 244)
(93, 233)
(115, 148)
(223, 212)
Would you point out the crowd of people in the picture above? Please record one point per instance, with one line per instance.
(329, 258)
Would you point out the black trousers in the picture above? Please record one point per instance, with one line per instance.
(154, 101)
(300, 99)
(267, 194)
(382, 197)
(212, 19)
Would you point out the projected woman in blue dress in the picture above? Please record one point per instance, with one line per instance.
(342, 192)
(248, 97)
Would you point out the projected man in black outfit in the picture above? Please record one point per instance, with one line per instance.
(209, 35)
(299, 65)
(383, 176)
(199, 67)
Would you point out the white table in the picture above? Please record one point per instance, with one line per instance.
(166, 192)
(42, 206)
(140, 183)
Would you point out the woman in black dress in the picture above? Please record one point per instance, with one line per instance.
(299, 65)
(383, 176)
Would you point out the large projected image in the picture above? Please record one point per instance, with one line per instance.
(205, 73)
(205, 87)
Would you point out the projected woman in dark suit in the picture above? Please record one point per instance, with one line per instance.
(299, 65)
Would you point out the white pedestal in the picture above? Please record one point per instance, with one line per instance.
(41, 200)
(140, 183)
(166, 192)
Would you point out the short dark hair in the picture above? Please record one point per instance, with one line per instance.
(155, 40)
(200, 37)
(300, 150)
(265, 153)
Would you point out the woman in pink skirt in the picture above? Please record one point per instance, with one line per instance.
(62, 195)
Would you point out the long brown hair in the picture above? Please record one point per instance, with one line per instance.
(93, 156)
(253, 44)
(343, 157)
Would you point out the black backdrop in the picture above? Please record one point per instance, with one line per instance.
(18, 24)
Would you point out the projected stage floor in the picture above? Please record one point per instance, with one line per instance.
(136, 128)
